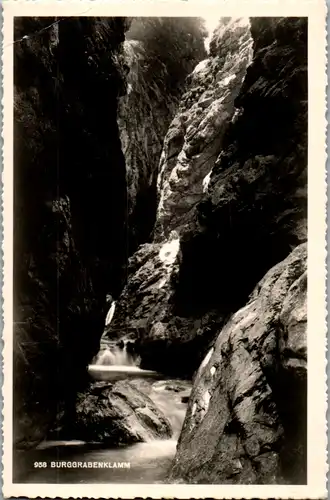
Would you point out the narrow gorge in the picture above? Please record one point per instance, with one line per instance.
(160, 249)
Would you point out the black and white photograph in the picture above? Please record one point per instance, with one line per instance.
(160, 236)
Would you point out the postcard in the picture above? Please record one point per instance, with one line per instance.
(164, 222)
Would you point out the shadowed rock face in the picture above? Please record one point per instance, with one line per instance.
(247, 415)
(70, 202)
(246, 420)
(254, 210)
(232, 205)
(148, 309)
(232, 192)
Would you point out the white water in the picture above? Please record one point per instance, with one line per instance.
(115, 356)
(110, 314)
(119, 372)
(149, 462)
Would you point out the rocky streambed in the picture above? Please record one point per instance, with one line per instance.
(145, 416)
(198, 236)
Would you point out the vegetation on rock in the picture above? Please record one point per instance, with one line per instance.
(159, 53)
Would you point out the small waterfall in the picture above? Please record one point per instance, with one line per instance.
(110, 314)
(116, 356)
(115, 361)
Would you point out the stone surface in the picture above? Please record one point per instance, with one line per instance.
(160, 53)
(232, 193)
(195, 137)
(118, 414)
(150, 308)
(166, 342)
(254, 210)
(144, 313)
(70, 206)
(246, 419)
(232, 205)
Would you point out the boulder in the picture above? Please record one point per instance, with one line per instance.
(246, 419)
(118, 414)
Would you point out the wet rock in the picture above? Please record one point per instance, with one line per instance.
(246, 418)
(165, 341)
(175, 387)
(118, 414)
(131, 347)
(232, 188)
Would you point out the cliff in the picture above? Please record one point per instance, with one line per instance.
(247, 417)
(232, 204)
(69, 207)
(170, 327)
(217, 290)
(250, 391)
(159, 54)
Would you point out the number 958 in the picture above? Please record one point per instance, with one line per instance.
(40, 465)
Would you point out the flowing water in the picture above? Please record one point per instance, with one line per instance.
(139, 463)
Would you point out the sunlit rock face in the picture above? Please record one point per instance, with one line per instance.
(247, 415)
(195, 137)
(231, 188)
(254, 209)
(70, 207)
(159, 54)
(171, 335)
(246, 420)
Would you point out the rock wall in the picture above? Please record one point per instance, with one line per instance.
(195, 137)
(247, 415)
(232, 205)
(246, 421)
(159, 53)
(232, 191)
(70, 206)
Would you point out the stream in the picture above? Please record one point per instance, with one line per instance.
(147, 462)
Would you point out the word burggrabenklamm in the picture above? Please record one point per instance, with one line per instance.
(90, 465)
